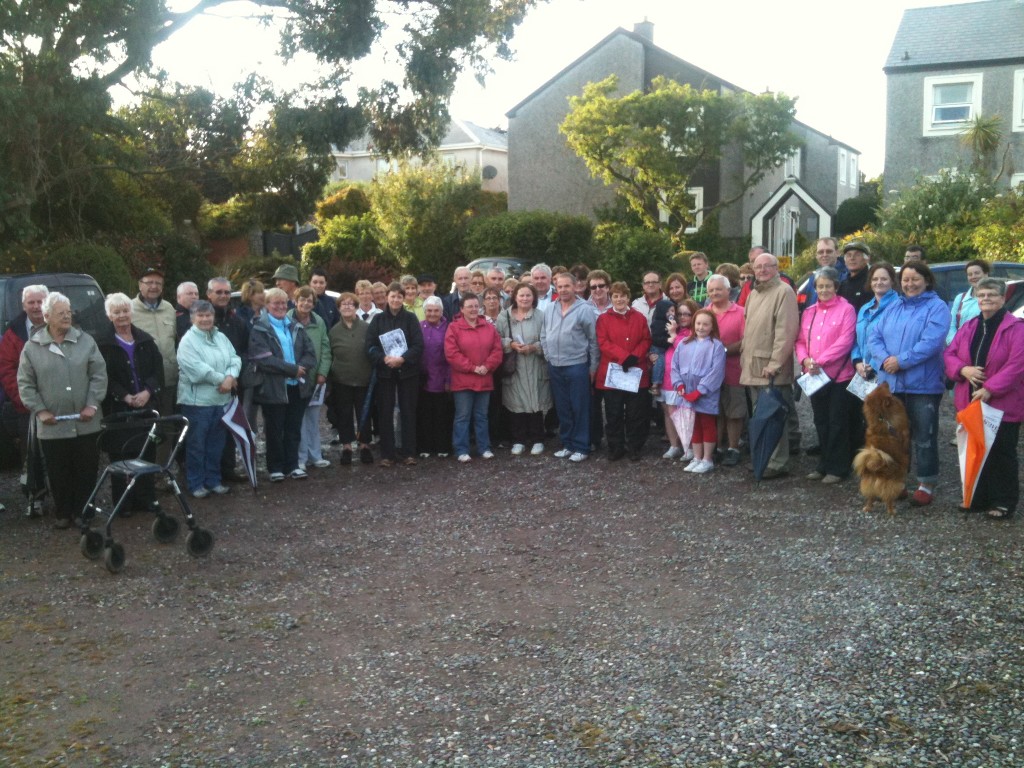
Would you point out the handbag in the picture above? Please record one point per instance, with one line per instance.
(251, 376)
(509, 363)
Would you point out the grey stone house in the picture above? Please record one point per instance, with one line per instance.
(948, 65)
(545, 174)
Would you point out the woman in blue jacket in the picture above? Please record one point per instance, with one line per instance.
(905, 348)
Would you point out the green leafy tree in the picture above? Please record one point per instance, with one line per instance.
(343, 239)
(651, 144)
(626, 253)
(531, 236)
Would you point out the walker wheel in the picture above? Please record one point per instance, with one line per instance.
(165, 529)
(113, 557)
(199, 543)
(91, 544)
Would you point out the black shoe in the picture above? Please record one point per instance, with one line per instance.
(814, 450)
(732, 457)
(346, 458)
(635, 455)
(336, 441)
(615, 454)
(366, 455)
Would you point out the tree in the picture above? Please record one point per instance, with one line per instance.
(650, 144)
(58, 61)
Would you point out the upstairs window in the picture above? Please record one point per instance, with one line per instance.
(1018, 101)
(950, 102)
(843, 168)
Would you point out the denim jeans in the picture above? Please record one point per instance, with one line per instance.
(204, 445)
(570, 389)
(309, 440)
(470, 406)
(923, 412)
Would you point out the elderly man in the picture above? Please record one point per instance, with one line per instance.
(218, 291)
(495, 277)
(452, 303)
(752, 255)
(157, 318)
(184, 297)
(324, 306)
(766, 355)
(540, 276)
(287, 279)
(568, 340)
(855, 288)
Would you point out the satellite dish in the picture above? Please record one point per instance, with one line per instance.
(489, 172)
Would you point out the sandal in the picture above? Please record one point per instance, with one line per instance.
(999, 513)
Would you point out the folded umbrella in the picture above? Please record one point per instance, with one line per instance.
(766, 428)
(238, 425)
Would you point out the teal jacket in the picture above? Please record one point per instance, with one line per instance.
(205, 359)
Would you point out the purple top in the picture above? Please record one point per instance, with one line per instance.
(129, 349)
(434, 365)
(700, 365)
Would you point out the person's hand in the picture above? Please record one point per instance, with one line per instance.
(974, 374)
(692, 397)
(142, 398)
(981, 394)
(653, 357)
(891, 364)
(681, 390)
(321, 379)
(768, 372)
(480, 370)
(515, 346)
(629, 362)
(864, 370)
(87, 413)
(226, 385)
(47, 417)
(301, 372)
(810, 366)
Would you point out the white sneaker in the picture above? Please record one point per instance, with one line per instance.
(537, 450)
(442, 455)
(672, 453)
(321, 463)
(563, 453)
(703, 467)
(487, 455)
(276, 477)
(299, 473)
(692, 466)
(424, 455)
(464, 458)
(687, 456)
(578, 457)
(302, 466)
(517, 449)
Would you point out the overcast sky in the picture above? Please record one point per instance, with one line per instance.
(827, 53)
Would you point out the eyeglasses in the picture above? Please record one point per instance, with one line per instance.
(601, 286)
(222, 293)
(651, 282)
(346, 304)
(151, 283)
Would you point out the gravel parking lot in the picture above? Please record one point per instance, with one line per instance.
(522, 612)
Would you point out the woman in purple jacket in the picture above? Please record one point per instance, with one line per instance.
(435, 413)
(985, 361)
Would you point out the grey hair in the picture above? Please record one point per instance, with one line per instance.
(220, 280)
(433, 301)
(408, 280)
(54, 298)
(543, 268)
(992, 284)
(116, 300)
(721, 279)
(200, 305)
(28, 290)
(829, 273)
(184, 285)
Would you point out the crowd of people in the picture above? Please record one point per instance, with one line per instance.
(515, 360)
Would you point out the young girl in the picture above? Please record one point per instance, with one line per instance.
(678, 327)
(698, 370)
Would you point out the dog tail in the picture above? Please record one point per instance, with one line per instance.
(873, 460)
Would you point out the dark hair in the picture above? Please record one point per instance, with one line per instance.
(915, 248)
(887, 268)
(396, 286)
(318, 272)
(924, 271)
(983, 265)
(518, 287)
(580, 270)
(470, 295)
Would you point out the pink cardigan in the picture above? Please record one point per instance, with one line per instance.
(827, 332)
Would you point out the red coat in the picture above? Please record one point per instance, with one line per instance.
(618, 337)
(467, 347)
(10, 356)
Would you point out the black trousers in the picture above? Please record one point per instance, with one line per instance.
(347, 405)
(837, 415)
(434, 414)
(526, 428)
(999, 484)
(71, 466)
(627, 419)
(404, 392)
(282, 423)
(597, 417)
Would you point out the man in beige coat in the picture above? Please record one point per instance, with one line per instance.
(152, 314)
(771, 325)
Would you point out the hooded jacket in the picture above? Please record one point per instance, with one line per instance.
(913, 330)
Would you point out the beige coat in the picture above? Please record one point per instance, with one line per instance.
(770, 327)
(161, 324)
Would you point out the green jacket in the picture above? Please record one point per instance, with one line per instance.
(205, 360)
(318, 335)
(63, 380)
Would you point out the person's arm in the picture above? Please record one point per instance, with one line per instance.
(97, 372)
(414, 340)
(838, 347)
(932, 338)
(10, 351)
(453, 353)
(590, 331)
(787, 326)
(1009, 376)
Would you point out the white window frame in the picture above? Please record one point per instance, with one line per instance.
(843, 167)
(342, 169)
(791, 166)
(697, 210)
(854, 178)
(930, 127)
(1017, 124)
(1016, 180)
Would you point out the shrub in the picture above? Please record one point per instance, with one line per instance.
(626, 253)
(345, 238)
(218, 221)
(532, 236)
(100, 261)
(349, 201)
(342, 275)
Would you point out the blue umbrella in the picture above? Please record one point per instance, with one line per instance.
(766, 427)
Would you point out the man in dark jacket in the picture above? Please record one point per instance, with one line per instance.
(855, 288)
(218, 291)
(325, 306)
(398, 373)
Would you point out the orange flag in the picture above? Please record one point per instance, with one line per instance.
(977, 425)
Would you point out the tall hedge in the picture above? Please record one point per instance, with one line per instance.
(532, 236)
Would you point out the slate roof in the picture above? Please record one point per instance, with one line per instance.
(460, 133)
(951, 35)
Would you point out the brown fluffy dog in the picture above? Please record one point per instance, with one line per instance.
(883, 461)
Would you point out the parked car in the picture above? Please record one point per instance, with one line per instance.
(83, 291)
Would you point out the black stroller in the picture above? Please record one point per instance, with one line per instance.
(165, 528)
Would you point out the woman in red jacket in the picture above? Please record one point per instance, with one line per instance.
(624, 339)
(473, 349)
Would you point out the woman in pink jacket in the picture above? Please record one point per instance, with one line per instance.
(827, 332)
(473, 349)
(985, 361)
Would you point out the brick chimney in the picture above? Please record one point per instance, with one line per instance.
(645, 29)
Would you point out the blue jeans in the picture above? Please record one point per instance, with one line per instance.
(570, 389)
(203, 446)
(310, 449)
(470, 406)
(923, 412)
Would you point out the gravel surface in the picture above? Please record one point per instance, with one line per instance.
(522, 612)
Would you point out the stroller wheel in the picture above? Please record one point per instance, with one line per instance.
(91, 544)
(165, 529)
(113, 557)
(199, 543)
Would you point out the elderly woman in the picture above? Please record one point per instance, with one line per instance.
(61, 373)
(350, 377)
(413, 300)
(434, 413)
(135, 374)
(882, 281)
(985, 362)
(732, 404)
(316, 329)
(208, 370)
(398, 374)
(526, 393)
(365, 309)
(827, 333)
(905, 348)
(965, 305)
(284, 358)
(624, 339)
(473, 349)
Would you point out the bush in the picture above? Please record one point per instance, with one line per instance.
(1000, 234)
(342, 275)
(349, 201)
(345, 238)
(626, 253)
(220, 221)
(100, 261)
(532, 236)
(260, 268)
(855, 213)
